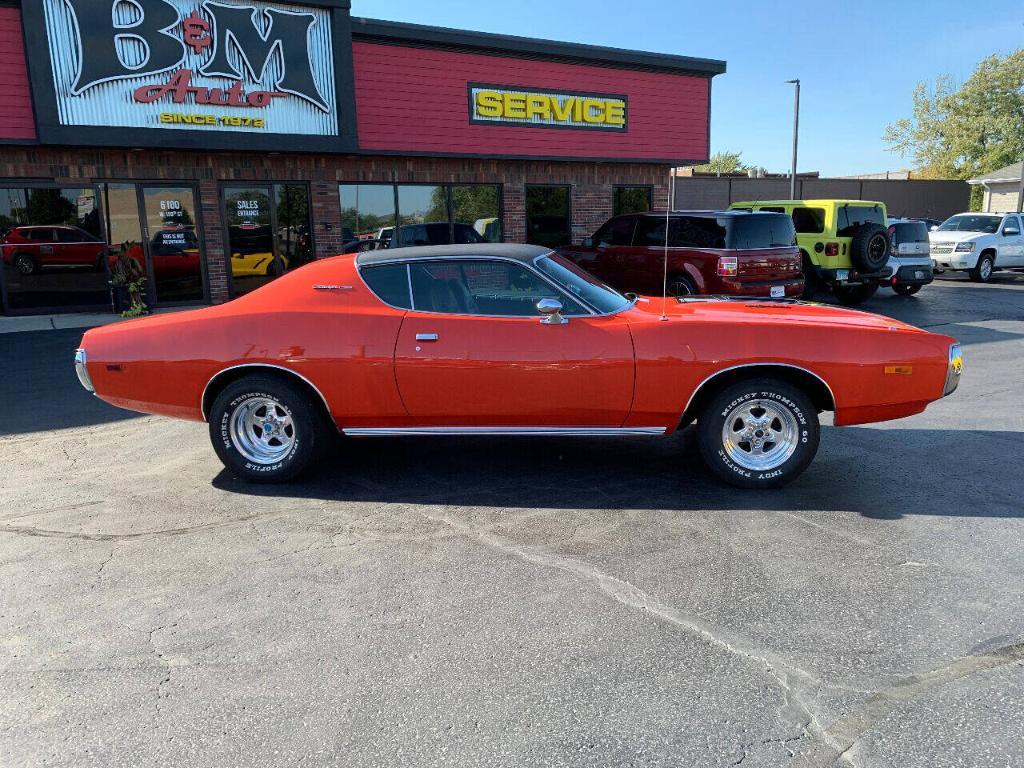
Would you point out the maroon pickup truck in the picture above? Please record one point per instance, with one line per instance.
(737, 253)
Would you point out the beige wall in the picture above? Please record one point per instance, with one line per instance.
(1002, 198)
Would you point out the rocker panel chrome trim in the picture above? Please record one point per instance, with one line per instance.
(505, 431)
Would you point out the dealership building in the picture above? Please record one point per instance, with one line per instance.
(211, 145)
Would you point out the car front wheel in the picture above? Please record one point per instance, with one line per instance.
(759, 434)
(268, 430)
(982, 273)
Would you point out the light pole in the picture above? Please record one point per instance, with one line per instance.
(796, 136)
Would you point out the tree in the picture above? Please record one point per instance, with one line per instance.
(722, 162)
(961, 132)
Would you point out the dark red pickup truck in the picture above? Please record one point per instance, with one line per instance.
(737, 253)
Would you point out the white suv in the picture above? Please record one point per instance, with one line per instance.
(979, 243)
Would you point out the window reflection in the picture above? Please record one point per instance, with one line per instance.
(54, 254)
(428, 214)
(269, 232)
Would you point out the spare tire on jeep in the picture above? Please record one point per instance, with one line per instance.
(869, 251)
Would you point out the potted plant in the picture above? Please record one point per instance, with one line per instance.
(128, 283)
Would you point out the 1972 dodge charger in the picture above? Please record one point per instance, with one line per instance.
(511, 340)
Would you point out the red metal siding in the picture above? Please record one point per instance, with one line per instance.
(16, 118)
(415, 100)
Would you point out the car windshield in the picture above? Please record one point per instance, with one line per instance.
(972, 223)
(582, 284)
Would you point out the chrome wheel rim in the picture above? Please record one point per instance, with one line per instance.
(262, 430)
(986, 268)
(760, 435)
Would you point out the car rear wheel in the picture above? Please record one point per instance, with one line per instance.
(24, 263)
(811, 282)
(852, 295)
(760, 433)
(982, 273)
(906, 290)
(268, 430)
(681, 285)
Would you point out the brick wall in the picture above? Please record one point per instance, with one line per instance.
(591, 183)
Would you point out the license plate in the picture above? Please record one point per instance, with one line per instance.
(842, 274)
(778, 292)
(919, 275)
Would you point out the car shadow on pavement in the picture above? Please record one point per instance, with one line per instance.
(878, 473)
(41, 388)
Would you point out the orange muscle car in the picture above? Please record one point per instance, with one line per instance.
(511, 340)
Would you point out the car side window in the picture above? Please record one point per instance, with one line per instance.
(73, 236)
(496, 288)
(41, 235)
(1011, 222)
(809, 220)
(617, 231)
(390, 283)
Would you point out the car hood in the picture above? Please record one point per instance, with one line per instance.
(954, 237)
(770, 312)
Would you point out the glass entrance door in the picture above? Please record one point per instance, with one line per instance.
(269, 232)
(173, 250)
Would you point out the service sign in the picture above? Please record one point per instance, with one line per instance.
(506, 105)
(208, 66)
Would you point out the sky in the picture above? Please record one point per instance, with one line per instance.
(858, 62)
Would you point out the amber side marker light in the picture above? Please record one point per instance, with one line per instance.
(899, 370)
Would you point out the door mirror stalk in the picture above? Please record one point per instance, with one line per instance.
(552, 311)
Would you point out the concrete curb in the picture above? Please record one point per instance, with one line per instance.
(64, 322)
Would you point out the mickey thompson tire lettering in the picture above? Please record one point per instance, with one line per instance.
(312, 429)
(783, 394)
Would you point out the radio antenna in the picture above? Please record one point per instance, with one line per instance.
(664, 274)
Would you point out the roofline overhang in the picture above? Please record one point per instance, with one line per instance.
(401, 33)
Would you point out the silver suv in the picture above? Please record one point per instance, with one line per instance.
(909, 256)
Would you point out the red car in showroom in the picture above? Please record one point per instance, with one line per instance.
(511, 340)
(728, 252)
(30, 249)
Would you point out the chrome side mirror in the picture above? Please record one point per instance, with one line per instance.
(552, 311)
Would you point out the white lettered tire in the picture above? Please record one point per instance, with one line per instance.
(759, 433)
(267, 430)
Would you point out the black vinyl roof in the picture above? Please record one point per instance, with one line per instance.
(524, 253)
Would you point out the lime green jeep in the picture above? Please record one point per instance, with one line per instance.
(844, 243)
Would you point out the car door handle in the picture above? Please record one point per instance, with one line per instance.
(426, 337)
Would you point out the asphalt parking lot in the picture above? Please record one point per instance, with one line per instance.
(540, 602)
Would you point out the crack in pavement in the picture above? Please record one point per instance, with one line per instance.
(848, 731)
(47, 533)
(826, 743)
(796, 683)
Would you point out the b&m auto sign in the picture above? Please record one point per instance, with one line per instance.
(229, 65)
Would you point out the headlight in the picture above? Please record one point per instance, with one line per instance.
(954, 369)
(964, 247)
(82, 371)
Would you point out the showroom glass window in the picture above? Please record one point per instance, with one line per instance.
(269, 232)
(426, 214)
(54, 249)
(632, 200)
(548, 216)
